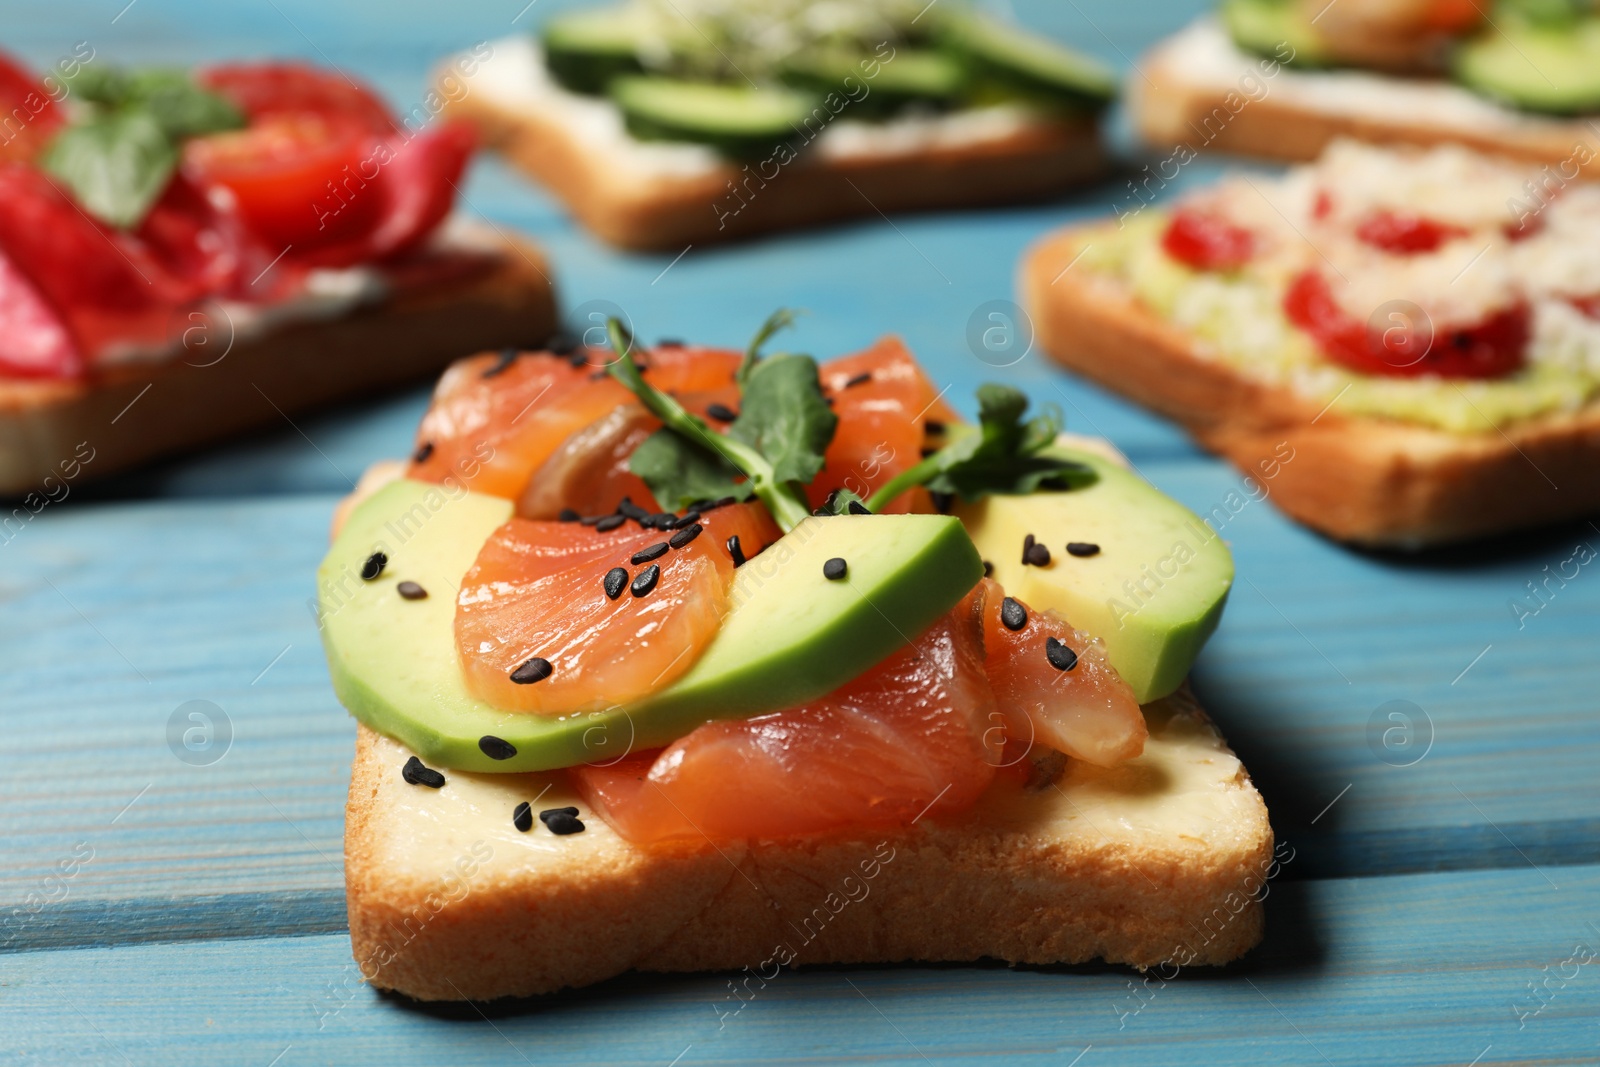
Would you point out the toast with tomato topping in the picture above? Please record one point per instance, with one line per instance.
(185, 255)
(1283, 88)
(1379, 341)
(650, 149)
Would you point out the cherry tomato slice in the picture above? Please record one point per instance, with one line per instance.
(420, 186)
(296, 178)
(28, 115)
(34, 342)
(266, 90)
(1406, 234)
(1206, 242)
(1407, 345)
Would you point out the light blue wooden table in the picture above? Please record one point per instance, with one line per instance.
(1441, 898)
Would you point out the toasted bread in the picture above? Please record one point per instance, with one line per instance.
(228, 383)
(700, 201)
(1365, 480)
(1200, 91)
(1160, 862)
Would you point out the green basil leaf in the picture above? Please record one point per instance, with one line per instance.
(680, 472)
(181, 107)
(116, 164)
(784, 416)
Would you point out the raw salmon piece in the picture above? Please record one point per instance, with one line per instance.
(1086, 711)
(882, 422)
(905, 740)
(491, 433)
(537, 590)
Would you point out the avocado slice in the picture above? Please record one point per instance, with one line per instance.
(1155, 590)
(790, 636)
(585, 50)
(1552, 67)
(737, 120)
(999, 55)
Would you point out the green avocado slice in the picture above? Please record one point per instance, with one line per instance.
(791, 634)
(1552, 67)
(1154, 591)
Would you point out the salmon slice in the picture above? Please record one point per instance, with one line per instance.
(492, 424)
(884, 402)
(1066, 696)
(537, 629)
(910, 738)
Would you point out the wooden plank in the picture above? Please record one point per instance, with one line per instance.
(117, 615)
(1384, 970)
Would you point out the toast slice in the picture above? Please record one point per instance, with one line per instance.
(1160, 862)
(1365, 480)
(230, 379)
(1199, 90)
(664, 196)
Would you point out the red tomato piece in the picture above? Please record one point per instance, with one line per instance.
(286, 173)
(28, 115)
(1406, 234)
(34, 342)
(419, 186)
(1206, 242)
(1589, 305)
(1402, 348)
(268, 90)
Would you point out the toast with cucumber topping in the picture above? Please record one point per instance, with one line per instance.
(662, 124)
(760, 652)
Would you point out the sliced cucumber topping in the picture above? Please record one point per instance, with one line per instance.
(1264, 27)
(737, 120)
(1028, 65)
(1549, 67)
(876, 86)
(586, 49)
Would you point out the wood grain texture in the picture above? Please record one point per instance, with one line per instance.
(1354, 972)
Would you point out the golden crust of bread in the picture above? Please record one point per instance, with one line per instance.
(137, 413)
(1161, 862)
(668, 213)
(1169, 107)
(1364, 480)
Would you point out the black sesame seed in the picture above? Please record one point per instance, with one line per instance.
(591, 520)
(926, 451)
(411, 591)
(568, 515)
(685, 535)
(858, 508)
(632, 510)
(669, 342)
(988, 569)
(720, 502)
(374, 566)
(423, 453)
(1013, 614)
(645, 555)
(496, 747)
(507, 357)
(578, 360)
(415, 773)
(1060, 656)
(598, 376)
(735, 550)
(646, 580)
(561, 823)
(609, 523)
(942, 502)
(821, 513)
(933, 427)
(860, 379)
(561, 344)
(614, 582)
(549, 813)
(1082, 549)
(721, 412)
(1027, 543)
(663, 520)
(1037, 556)
(522, 817)
(536, 669)
(689, 518)
(835, 569)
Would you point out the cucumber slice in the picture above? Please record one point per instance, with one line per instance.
(1551, 68)
(734, 119)
(912, 76)
(585, 50)
(1028, 65)
(1263, 27)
